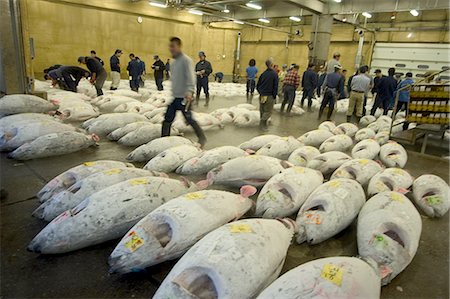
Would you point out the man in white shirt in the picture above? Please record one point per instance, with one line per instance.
(360, 86)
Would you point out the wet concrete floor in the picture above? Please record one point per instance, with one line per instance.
(84, 273)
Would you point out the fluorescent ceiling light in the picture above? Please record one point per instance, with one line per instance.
(238, 22)
(344, 19)
(264, 20)
(409, 35)
(414, 12)
(253, 5)
(195, 12)
(158, 4)
(295, 19)
(367, 15)
(338, 1)
(226, 10)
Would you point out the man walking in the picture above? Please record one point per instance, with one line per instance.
(183, 86)
(134, 72)
(332, 88)
(291, 82)
(202, 69)
(267, 88)
(158, 67)
(94, 55)
(385, 92)
(114, 62)
(360, 86)
(309, 84)
(98, 73)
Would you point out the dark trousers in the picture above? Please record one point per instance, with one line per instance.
(329, 98)
(100, 81)
(71, 85)
(380, 102)
(159, 82)
(399, 107)
(307, 93)
(134, 83)
(289, 97)
(171, 112)
(251, 84)
(202, 82)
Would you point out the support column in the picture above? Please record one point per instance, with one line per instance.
(320, 38)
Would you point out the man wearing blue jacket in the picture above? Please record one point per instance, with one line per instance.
(134, 71)
(403, 96)
(385, 92)
(309, 84)
(267, 88)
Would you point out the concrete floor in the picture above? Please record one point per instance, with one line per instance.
(84, 273)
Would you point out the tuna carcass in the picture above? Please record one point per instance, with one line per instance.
(210, 159)
(75, 174)
(148, 151)
(327, 125)
(366, 120)
(107, 214)
(302, 155)
(280, 148)
(222, 263)
(170, 159)
(253, 170)
(170, 230)
(390, 179)
(315, 138)
(363, 134)
(13, 121)
(23, 103)
(285, 193)
(340, 142)
(328, 162)
(106, 123)
(54, 144)
(366, 149)
(332, 277)
(247, 119)
(393, 154)
(431, 194)
(348, 129)
(382, 137)
(258, 142)
(143, 135)
(360, 170)
(120, 132)
(75, 194)
(388, 232)
(329, 209)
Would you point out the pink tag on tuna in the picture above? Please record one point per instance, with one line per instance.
(402, 190)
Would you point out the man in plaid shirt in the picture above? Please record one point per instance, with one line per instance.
(291, 83)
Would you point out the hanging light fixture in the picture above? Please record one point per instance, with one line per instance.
(264, 20)
(414, 12)
(295, 19)
(253, 5)
(195, 12)
(158, 4)
(367, 15)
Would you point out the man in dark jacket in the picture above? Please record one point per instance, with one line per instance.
(332, 87)
(134, 72)
(94, 55)
(159, 67)
(385, 92)
(98, 73)
(115, 69)
(267, 88)
(142, 70)
(309, 84)
(203, 69)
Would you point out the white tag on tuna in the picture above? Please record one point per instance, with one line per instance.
(341, 193)
(52, 136)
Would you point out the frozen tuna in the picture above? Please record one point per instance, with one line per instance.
(280, 148)
(23, 103)
(172, 158)
(284, 193)
(75, 174)
(366, 120)
(328, 162)
(143, 135)
(258, 142)
(390, 179)
(393, 154)
(388, 232)
(327, 125)
(148, 151)
(170, 230)
(340, 142)
(120, 132)
(222, 263)
(332, 277)
(16, 120)
(329, 209)
(431, 194)
(315, 138)
(360, 170)
(348, 129)
(210, 159)
(366, 149)
(107, 214)
(106, 123)
(382, 137)
(302, 155)
(363, 134)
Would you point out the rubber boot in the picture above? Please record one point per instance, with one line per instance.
(200, 135)
(165, 131)
(207, 101)
(330, 112)
(320, 113)
(349, 118)
(197, 100)
(282, 108)
(357, 119)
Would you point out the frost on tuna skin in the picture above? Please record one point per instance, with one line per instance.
(339, 143)
(170, 230)
(316, 137)
(22, 103)
(302, 155)
(107, 214)
(328, 162)
(329, 209)
(366, 149)
(148, 151)
(218, 264)
(332, 277)
(170, 159)
(393, 154)
(388, 232)
(360, 170)
(257, 142)
(390, 179)
(280, 148)
(431, 194)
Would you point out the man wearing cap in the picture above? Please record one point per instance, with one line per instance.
(158, 67)
(359, 86)
(332, 87)
(98, 73)
(114, 62)
(385, 92)
(94, 55)
(309, 84)
(291, 82)
(267, 88)
(333, 62)
(202, 69)
(404, 95)
(134, 72)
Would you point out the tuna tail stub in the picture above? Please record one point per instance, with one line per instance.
(39, 212)
(247, 191)
(301, 234)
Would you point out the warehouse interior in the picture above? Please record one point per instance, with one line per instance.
(409, 35)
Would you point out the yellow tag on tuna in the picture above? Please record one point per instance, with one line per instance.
(194, 196)
(334, 184)
(363, 161)
(139, 181)
(240, 228)
(397, 197)
(135, 242)
(113, 171)
(299, 169)
(332, 273)
(89, 164)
